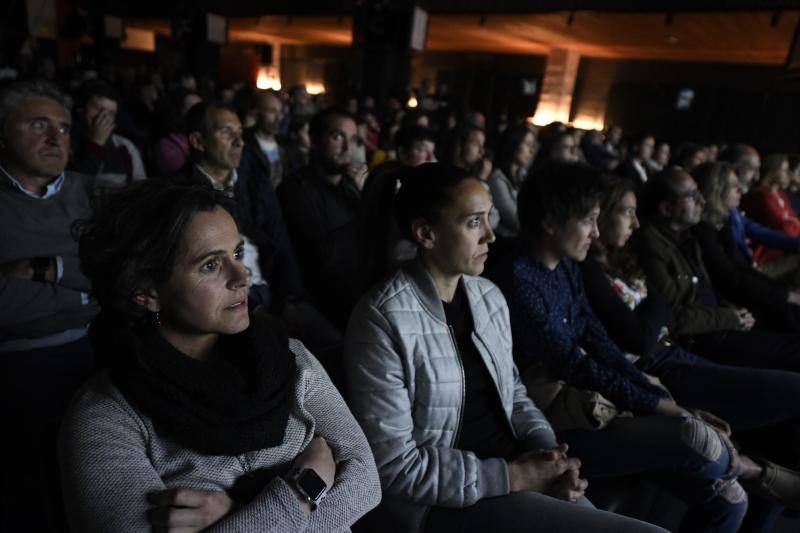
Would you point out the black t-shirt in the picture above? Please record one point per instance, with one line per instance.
(484, 428)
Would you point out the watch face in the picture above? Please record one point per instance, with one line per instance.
(312, 484)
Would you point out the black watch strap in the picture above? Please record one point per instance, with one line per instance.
(40, 266)
(310, 485)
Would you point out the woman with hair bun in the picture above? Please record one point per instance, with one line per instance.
(431, 379)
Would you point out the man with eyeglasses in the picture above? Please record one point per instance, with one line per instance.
(671, 205)
(45, 354)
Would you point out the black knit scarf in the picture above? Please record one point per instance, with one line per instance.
(236, 402)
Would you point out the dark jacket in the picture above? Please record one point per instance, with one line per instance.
(553, 325)
(671, 273)
(743, 284)
(322, 222)
(628, 170)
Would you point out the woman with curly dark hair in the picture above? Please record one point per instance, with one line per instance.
(206, 415)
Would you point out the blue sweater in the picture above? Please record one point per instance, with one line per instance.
(744, 228)
(553, 324)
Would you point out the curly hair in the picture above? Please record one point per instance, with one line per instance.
(132, 240)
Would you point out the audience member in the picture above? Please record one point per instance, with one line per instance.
(671, 258)
(171, 151)
(732, 269)
(96, 149)
(689, 156)
(557, 145)
(204, 416)
(746, 162)
(466, 150)
(659, 160)
(613, 142)
(458, 444)
(261, 142)
(44, 298)
(320, 204)
(382, 247)
(298, 146)
(592, 147)
(638, 320)
(641, 151)
(793, 191)
(516, 150)
(767, 203)
(558, 337)
(216, 137)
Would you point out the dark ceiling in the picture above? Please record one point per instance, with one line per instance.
(240, 8)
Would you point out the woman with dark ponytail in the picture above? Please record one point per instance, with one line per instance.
(431, 379)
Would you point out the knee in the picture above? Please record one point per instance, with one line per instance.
(733, 497)
(732, 492)
(702, 438)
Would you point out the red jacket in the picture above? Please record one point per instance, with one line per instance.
(774, 210)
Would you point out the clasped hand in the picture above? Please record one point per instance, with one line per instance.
(548, 472)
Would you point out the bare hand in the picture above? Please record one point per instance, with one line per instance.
(484, 170)
(358, 171)
(733, 453)
(318, 456)
(714, 421)
(184, 510)
(569, 487)
(746, 319)
(22, 269)
(537, 470)
(19, 269)
(101, 127)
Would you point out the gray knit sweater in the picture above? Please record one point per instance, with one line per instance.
(112, 456)
(34, 227)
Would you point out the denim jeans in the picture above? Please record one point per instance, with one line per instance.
(749, 399)
(679, 454)
(752, 349)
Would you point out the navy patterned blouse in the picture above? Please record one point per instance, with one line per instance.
(553, 324)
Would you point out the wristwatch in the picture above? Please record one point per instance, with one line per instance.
(309, 484)
(40, 267)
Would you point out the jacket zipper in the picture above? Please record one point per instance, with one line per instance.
(463, 385)
(497, 385)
